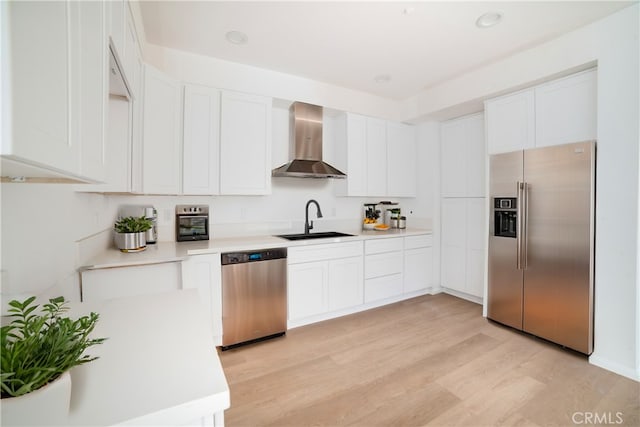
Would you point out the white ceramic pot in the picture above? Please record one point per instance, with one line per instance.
(46, 406)
(131, 242)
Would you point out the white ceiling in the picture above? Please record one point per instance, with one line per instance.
(350, 43)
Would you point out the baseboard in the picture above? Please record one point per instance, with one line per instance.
(615, 367)
(462, 295)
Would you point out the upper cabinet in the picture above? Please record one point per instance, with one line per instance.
(378, 156)
(161, 146)
(463, 157)
(558, 112)
(54, 63)
(566, 110)
(511, 122)
(245, 144)
(201, 140)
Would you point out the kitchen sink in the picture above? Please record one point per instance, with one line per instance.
(324, 235)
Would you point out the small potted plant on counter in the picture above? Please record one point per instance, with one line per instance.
(38, 350)
(130, 233)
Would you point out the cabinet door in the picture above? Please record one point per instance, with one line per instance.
(38, 61)
(245, 144)
(417, 269)
(161, 134)
(476, 156)
(453, 149)
(566, 110)
(454, 241)
(356, 155)
(137, 125)
(510, 122)
(307, 289)
(202, 272)
(476, 246)
(401, 160)
(382, 287)
(89, 82)
(376, 157)
(201, 140)
(117, 25)
(346, 286)
(130, 54)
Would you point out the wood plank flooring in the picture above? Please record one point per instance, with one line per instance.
(432, 360)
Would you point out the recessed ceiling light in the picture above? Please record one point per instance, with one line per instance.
(382, 78)
(408, 10)
(489, 19)
(237, 37)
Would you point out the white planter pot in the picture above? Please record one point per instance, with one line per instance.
(131, 242)
(47, 406)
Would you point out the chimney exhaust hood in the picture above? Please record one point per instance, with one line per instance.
(306, 145)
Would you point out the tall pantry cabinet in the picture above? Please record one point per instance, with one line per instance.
(463, 217)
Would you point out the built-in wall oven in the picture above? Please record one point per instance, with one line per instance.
(192, 223)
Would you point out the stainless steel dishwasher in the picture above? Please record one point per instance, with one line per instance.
(254, 296)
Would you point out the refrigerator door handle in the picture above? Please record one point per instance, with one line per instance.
(525, 224)
(519, 218)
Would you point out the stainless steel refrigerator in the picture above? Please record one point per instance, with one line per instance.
(541, 242)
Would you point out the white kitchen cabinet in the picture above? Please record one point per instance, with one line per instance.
(109, 283)
(376, 155)
(161, 141)
(323, 278)
(117, 24)
(201, 140)
(401, 160)
(137, 120)
(245, 144)
(510, 121)
(566, 110)
(558, 112)
(345, 286)
(379, 157)
(307, 289)
(463, 157)
(463, 245)
(383, 268)
(351, 135)
(418, 257)
(89, 86)
(130, 54)
(203, 272)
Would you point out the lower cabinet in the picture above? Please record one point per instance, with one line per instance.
(418, 259)
(323, 278)
(203, 272)
(383, 267)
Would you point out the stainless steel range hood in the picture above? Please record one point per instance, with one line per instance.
(306, 145)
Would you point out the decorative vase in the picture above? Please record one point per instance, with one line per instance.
(131, 242)
(46, 406)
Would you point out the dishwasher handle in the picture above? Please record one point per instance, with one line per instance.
(253, 256)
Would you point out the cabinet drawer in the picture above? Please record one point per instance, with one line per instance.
(382, 264)
(422, 241)
(382, 245)
(324, 252)
(382, 287)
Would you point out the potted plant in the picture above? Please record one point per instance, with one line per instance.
(130, 233)
(38, 350)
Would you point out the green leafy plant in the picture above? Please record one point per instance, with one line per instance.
(132, 224)
(38, 348)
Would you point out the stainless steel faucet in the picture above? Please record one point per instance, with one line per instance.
(308, 225)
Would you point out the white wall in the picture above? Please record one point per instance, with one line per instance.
(612, 43)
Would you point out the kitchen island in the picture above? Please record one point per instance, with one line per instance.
(159, 365)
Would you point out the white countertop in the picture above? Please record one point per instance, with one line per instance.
(159, 365)
(179, 251)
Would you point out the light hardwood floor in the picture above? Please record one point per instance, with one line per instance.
(432, 360)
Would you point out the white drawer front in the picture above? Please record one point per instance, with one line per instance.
(382, 245)
(382, 287)
(324, 252)
(382, 264)
(421, 241)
